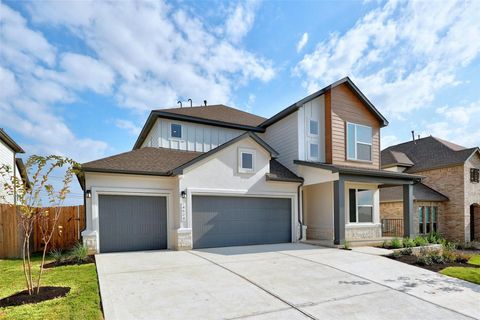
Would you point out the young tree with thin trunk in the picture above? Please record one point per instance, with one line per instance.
(28, 201)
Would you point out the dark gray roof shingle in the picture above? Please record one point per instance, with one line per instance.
(421, 192)
(149, 161)
(278, 172)
(426, 153)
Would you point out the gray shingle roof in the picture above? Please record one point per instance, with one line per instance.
(421, 192)
(278, 172)
(149, 161)
(425, 154)
(218, 112)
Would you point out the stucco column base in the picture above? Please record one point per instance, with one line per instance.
(184, 239)
(89, 238)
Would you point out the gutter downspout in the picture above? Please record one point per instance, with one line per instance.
(300, 208)
(14, 178)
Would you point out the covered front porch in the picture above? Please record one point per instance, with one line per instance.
(342, 204)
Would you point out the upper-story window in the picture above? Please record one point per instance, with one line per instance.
(176, 131)
(474, 175)
(313, 128)
(246, 160)
(314, 151)
(359, 142)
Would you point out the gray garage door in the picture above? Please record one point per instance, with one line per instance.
(130, 223)
(238, 221)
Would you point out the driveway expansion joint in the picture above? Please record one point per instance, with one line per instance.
(381, 284)
(293, 306)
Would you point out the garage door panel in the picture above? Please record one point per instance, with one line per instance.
(229, 221)
(130, 223)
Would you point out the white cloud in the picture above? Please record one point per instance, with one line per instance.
(303, 41)
(241, 20)
(400, 54)
(128, 125)
(159, 54)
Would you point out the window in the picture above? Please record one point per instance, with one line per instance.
(313, 127)
(246, 160)
(475, 175)
(359, 142)
(427, 219)
(313, 151)
(361, 205)
(176, 131)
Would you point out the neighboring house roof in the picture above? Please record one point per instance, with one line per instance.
(10, 142)
(426, 154)
(294, 107)
(219, 115)
(359, 171)
(167, 162)
(421, 192)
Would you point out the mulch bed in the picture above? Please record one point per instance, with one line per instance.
(22, 297)
(411, 259)
(69, 262)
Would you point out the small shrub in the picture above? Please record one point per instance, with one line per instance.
(420, 241)
(449, 245)
(396, 254)
(408, 242)
(449, 255)
(424, 260)
(428, 257)
(406, 251)
(462, 257)
(79, 253)
(437, 257)
(396, 243)
(434, 238)
(346, 245)
(385, 244)
(57, 255)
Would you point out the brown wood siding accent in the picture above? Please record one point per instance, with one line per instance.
(346, 107)
(328, 126)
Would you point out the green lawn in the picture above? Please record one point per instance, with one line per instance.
(465, 273)
(82, 302)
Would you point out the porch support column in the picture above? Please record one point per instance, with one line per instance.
(408, 210)
(339, 211)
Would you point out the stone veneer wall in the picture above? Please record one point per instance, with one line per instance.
(472, 196)
(394, 210)
(363, 232)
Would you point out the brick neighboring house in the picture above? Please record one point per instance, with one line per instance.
(448, 199)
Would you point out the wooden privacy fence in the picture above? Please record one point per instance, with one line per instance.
(67, 231)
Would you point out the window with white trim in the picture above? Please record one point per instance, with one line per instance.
(313, 128)
(246, 160)
(359, 142)
(175, 131)
(361, 205)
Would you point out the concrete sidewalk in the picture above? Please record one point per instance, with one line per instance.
(285, 281)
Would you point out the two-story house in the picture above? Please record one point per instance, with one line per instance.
(212, 176)
(448, 199)
(8, 157)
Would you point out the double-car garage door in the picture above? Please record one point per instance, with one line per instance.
(130, 223)
(236, 221)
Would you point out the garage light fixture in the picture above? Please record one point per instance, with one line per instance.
(88, 193)
(183, 194)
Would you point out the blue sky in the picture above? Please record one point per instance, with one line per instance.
(79, 78)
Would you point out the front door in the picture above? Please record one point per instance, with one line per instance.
(472, 222)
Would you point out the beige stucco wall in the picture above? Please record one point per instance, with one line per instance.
(318, 211)
(107, 183)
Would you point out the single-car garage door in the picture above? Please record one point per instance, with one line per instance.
(236, 221)
(130, 223)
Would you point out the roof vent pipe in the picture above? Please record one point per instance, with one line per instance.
(191, 102)
(413, 136)
(180, 103)
(205, 102)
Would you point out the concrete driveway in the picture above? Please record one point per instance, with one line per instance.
(285, 281)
